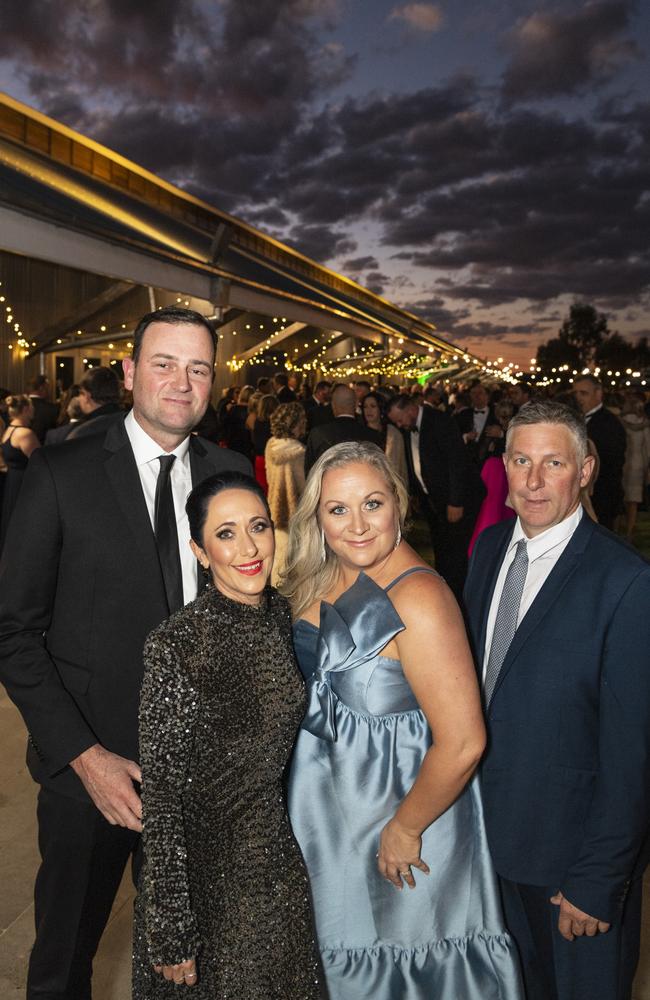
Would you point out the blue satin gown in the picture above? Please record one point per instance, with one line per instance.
(358, 753)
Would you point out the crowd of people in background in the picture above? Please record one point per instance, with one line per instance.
(474, 413)
(158, 675)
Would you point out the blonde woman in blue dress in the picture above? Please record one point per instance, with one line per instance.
(380, 796)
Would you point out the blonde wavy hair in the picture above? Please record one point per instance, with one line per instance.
(311, 568)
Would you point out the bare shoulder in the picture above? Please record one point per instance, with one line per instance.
(421, 595)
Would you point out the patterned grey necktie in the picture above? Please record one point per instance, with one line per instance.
(505, 625)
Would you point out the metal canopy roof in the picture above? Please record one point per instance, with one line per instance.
(66, 200)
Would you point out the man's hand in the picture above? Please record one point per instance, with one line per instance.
(183, 973)
(494, 431)
(108, 779)
(454, 514)
(573, 923)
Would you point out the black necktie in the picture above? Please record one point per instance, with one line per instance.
(167, 536)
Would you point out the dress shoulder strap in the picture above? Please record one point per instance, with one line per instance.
(407, 572)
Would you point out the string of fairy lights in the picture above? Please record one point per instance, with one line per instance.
(366, 360)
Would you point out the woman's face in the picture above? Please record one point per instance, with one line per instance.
(358, 514)
(238, 545)
(371, 412)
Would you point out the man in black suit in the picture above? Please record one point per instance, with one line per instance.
(99, 396)
(97, 556)
(557, 608)
(46, 413)
(608, 434)
(448, 488)
(479, 426)
(318, 408)
(344, 427)
(282, 390)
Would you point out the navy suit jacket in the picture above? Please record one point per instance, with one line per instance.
(566, 775)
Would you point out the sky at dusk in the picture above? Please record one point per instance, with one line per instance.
(483, 163)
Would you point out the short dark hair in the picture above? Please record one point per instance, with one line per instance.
(199, 499)
(263, 384)
(102, 385)
(588, 377)
(321, 385)
(362, 382)
(171, 315)
(37, 382)
(281, 378)
(401, 401)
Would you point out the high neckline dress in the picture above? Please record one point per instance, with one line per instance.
(222, 876)
(358, 753)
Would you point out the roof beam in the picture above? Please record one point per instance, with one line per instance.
(276, 339)
(85, 311)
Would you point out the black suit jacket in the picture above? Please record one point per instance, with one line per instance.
(484, 446)
(566, 775)
(608, 434)
(337, 430)
(318, 414)
(45, 417)
(81, 588)
(444, 464)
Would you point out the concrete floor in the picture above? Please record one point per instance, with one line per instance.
(18, 863)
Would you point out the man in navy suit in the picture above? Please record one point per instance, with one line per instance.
(559, 614)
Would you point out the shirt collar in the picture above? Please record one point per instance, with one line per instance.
(541, 544)
(145, 449)
(590, 413)
(418, 422)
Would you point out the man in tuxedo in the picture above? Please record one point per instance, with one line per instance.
(98, 555)
(608, 434)
(281, 387)
(448, 489)
(479, 426)
(46, 413)
(558, 615)
(318, 408)
(344, 427)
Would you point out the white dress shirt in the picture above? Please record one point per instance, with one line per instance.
(590, 413)
(543, 550)
(480, 420)
(414, 440)
(147, 452)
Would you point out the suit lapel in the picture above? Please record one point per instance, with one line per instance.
(487, 591)
(549, 594)
(200, 465)
(123, 476)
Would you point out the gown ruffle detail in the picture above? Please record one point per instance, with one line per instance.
(358, 753)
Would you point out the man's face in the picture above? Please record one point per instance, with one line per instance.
(479, 397)
(86, 402)
(361, 391)
(407, 418)
(518, 395)
(587, 395)
(544, 476)
(323, 395)
(171, 380)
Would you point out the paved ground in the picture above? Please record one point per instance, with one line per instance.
(18, 860)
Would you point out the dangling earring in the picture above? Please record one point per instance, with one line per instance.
(398, 539)
(323, 551)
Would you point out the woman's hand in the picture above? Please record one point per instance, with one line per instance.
(182, 974)
(399, 851)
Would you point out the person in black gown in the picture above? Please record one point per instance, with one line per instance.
(223, 902)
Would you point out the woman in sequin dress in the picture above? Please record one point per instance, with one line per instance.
(223, 901)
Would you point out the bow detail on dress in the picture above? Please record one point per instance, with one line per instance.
(358, 625)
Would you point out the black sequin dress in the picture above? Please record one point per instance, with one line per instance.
(222, 877)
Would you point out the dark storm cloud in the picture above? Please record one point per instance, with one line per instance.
(320, 242)
(561, 52)
(376, 282)
(357, 264)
